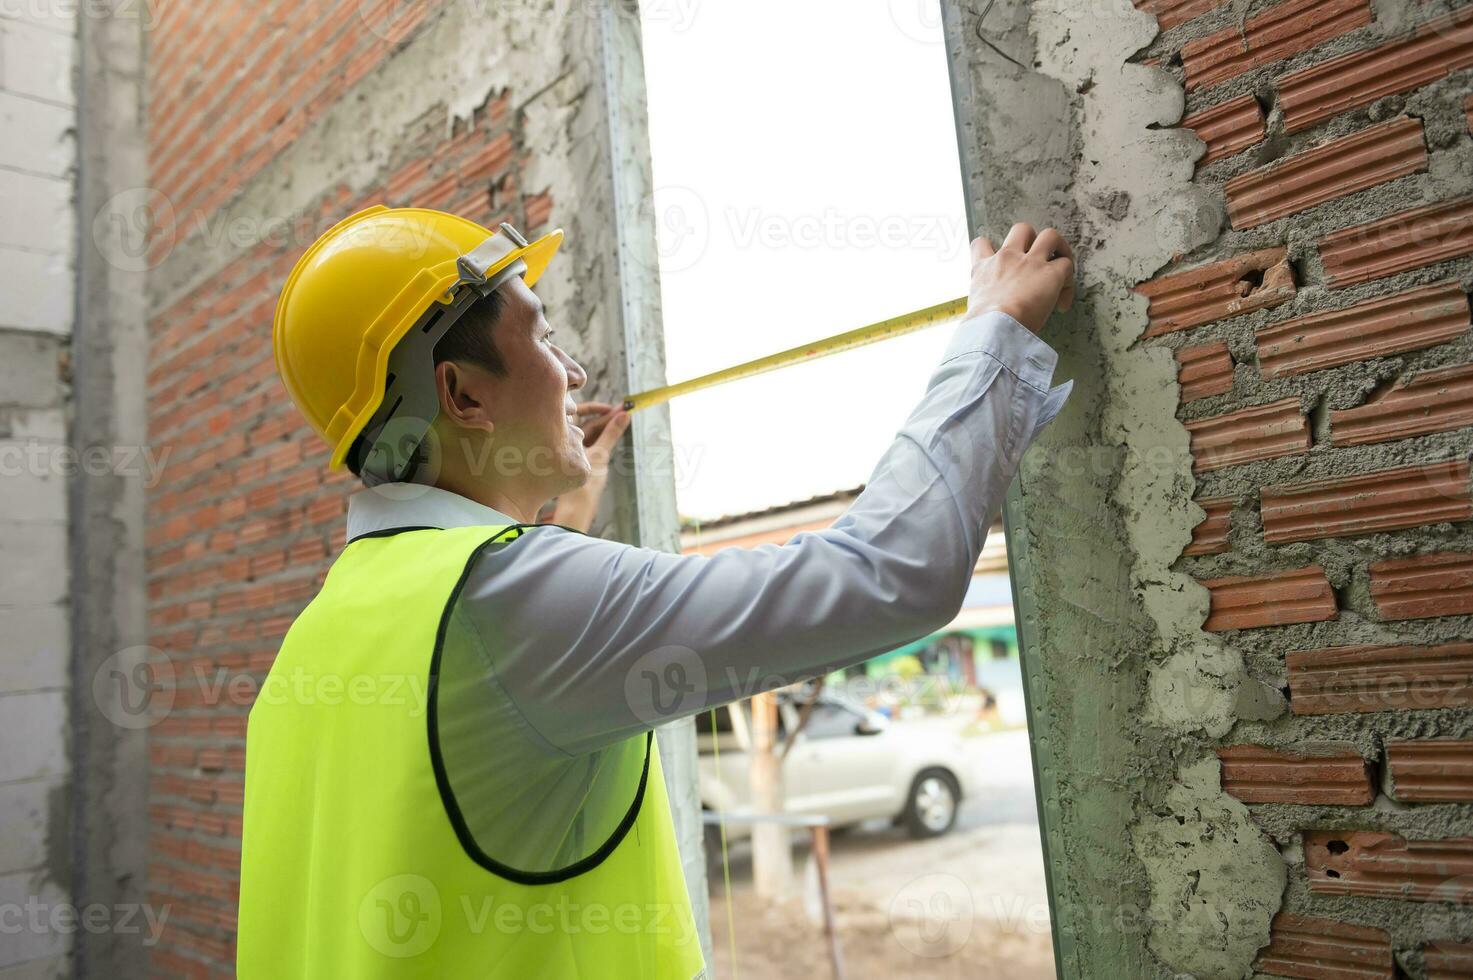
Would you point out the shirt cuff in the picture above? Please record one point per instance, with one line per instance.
(1017, 348)
(1051, 404)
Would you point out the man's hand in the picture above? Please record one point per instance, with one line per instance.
(576, 508)
(1028, 278)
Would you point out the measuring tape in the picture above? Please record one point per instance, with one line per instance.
(848, 340)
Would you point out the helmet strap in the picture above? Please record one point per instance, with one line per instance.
(385, 452)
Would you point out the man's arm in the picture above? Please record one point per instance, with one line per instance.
(594, 640)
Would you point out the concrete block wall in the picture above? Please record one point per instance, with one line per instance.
(1325, 362)
(37, 228)
(265, 128)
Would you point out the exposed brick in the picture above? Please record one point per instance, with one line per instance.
(1383, 865)
(1227, 128)
(1448, 960)
(1326, 172)
(1248, 435)
(1431, 770)
(1301, 595)
(1206, 369)
(245, 518)
(1256, 774)
(1432, 401)
(1325, 949)
(489, 161)
(1439, 584)
(1169, 13)
(1405, 240)
(1276, 33)
(1359, 78)
(1393, 324)
(1337, 680)
(1241, 284)
(538, 211)
(1210, 536)
(438, 194)
(403, 182)
(1386, 500)
(276, 74)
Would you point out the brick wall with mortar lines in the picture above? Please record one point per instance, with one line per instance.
(1326, 371)
(231, 84)
(245, 519)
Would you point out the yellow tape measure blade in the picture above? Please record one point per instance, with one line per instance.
(848, 340)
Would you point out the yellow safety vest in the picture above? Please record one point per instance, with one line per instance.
(356, 860)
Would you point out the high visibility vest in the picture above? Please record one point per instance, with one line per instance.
(357, 858)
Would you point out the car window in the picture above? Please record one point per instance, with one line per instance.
(831, 721)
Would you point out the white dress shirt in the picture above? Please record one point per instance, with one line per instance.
(594, 641)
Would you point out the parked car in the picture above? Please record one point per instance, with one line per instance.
(848, 763)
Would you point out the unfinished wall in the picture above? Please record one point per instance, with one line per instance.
(264, 131)
(108, 826)
(37, 259)
(1329, 425)
(1244, 574)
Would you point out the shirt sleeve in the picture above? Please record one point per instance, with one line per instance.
(594, 640)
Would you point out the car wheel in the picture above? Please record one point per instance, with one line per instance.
(930, 811)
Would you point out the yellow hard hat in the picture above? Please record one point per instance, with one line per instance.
(363, 286)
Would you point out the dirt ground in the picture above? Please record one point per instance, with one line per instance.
(970, 904)
(781, 944)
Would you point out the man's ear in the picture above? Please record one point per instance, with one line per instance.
(463, 396)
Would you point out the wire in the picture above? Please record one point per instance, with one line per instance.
(985, 10)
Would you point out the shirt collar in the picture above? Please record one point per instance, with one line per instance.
(389, 506)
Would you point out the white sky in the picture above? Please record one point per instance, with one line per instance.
(806, 183)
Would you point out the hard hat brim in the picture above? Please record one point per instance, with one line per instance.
(428, 288)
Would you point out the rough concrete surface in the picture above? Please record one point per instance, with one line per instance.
(109, 829)
(1449, 174)
(1147, 849)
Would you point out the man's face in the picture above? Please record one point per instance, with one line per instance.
(534, 442)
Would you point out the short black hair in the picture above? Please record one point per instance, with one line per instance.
(470, 339)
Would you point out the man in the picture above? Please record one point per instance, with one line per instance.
(451, 769)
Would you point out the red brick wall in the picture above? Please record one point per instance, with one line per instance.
(1326, 367)
(243, 523)
(230, 84)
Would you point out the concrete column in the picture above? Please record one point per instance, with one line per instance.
(643, 478)
(108, 365)
(1057, 127)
